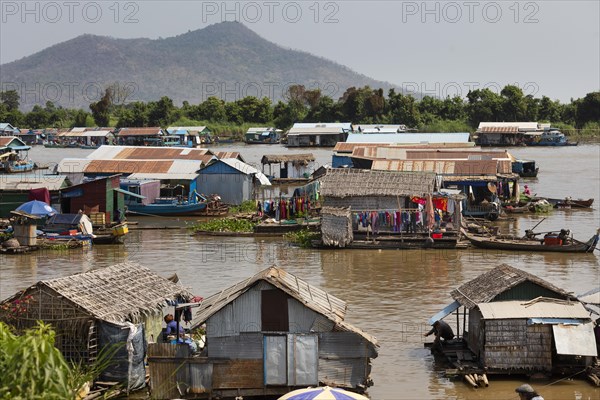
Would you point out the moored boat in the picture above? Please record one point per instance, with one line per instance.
(552, 242)
(572, 203)
(167, 206)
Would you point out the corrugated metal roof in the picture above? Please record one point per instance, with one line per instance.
(499, 129)
(365, 128)
(186, 128)
(153, 176)
(591, 297)
(140, 131)
(246, 169)
(538, 308)
(524, 126)
(168, 167)
(150, 153)
(7, 140)
(445, 167)
(315, 131)
(409, 138)
(311, 296)
(304, 125)
(97, 133)
(229, 154)
(28, 182)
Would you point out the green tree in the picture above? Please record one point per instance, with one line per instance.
(588, 109)
(161, 112)
(484, 105)
(402, 109)
(549, 110)
(514, 107)
(101, 109)
(10, 99)
(212, 109)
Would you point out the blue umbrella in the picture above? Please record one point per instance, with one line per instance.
(322, 393)
(36, 207)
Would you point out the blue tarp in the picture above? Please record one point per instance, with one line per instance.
(126, 368)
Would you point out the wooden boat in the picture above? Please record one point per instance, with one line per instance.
(167, 206)
(571, 203)
(513, 243)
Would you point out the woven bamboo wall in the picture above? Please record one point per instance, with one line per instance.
(336, 226)
(512, 344)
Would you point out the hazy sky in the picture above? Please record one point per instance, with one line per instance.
(442, 48)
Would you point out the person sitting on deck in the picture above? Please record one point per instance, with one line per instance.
(441, 329)
(172, 326)
(526, 392)
(527, 192)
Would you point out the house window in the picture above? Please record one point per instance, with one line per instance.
(274, 311)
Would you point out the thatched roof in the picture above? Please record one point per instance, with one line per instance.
(117, 293)
(347, 182)
(500, 279)
(312, 297)
(282, 158)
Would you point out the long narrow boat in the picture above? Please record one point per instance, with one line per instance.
(573, 203)
(533, 245)
(167, 207)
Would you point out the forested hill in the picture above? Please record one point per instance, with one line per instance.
(226, 60)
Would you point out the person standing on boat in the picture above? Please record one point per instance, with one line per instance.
(441, 330)
(526, 392)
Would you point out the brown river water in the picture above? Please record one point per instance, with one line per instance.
(390, 294)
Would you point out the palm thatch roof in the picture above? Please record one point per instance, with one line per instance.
(347, 182)
(487, 286)
(312, 297)
(302, 159)
(118, 293)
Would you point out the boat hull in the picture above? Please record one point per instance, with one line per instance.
(527, 245)
(167, 209)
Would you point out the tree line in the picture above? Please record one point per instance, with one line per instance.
(357, 105)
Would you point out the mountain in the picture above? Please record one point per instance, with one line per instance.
(227, 60)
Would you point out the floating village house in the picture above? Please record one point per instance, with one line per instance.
(140, 136)
(118, 304)
(16, 189)
(100, 195)
(508, 133)
(189, 136)
(262, 136)
(519, 323)
(265, 336)
(318, 134)
(384, 205)
(234, 180)
(291, 166)
(176, 168)
(7, 129)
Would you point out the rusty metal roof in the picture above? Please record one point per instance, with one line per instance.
(173, 169)
(140, 131)
(150, 153)
(6, 140)
(499, 129)
(446, 167)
